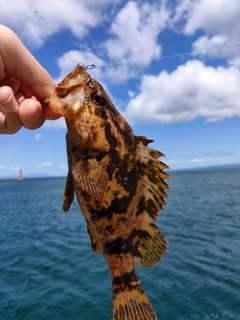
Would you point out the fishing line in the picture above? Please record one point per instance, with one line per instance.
(92, 66)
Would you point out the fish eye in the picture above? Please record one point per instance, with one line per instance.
(98, 99)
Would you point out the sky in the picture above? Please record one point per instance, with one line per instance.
(171, 67)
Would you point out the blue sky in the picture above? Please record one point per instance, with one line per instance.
(172, 67)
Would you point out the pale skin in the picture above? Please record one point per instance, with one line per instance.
(24, 83)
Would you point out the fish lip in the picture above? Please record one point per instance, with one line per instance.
(76, 78)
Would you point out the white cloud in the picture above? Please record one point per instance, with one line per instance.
(211, 46)
(200, 161)
(131, 93)
(133, 37)
(35, 21)
(14, 168)
(135, 31)
(207, 160)
(62, 166)
(234, 62)
(10, 168)
(212, 16)
(119, 74)
(37, 136)
(44, 165)
(192, 90)
(219, 20)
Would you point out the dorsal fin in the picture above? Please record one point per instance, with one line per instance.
(153, 176)
(152, 245)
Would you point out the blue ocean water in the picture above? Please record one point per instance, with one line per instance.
(49, 272)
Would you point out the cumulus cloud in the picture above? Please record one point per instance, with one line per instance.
(44, 165)
(235, 61)
(133, 37)
(103, 73)
(192, 90)
(62, 166)
(214, 160)
(14, 168)
(211, 46)
(37, 136)
(220, 22)
(212, 16)
(201, 161)
(134, 33)
(35, 21)
(10, 168)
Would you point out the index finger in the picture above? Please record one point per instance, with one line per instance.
(18, 62)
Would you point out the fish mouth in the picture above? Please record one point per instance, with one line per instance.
(69, 93)
(76, 78)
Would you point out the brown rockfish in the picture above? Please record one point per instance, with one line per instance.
(119, 184)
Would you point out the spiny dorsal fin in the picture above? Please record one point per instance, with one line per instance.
(152, 245)
(153, 177)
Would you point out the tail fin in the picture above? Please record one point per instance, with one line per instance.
(130, 302)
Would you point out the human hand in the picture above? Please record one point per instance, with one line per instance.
(24, 83)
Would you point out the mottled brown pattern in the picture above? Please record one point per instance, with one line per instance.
(119, 184)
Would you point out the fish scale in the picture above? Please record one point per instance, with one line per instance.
(119, 184)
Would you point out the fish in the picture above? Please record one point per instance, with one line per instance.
(119, 183)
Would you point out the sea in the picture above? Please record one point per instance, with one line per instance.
(49, 272)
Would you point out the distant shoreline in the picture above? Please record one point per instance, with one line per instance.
(10, 180)
(207, 168)
(28, 178)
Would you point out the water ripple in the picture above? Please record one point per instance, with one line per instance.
(48, 270)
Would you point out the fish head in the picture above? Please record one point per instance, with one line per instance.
(93, 121)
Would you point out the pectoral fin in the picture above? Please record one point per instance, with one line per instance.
(68, 193)
(91, 178)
